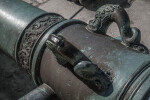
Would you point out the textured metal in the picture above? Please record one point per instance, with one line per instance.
(82, 66)
(31, 36)
(43, 92)
(29, 28)
(107, 14)
(37, 56)
(15, 15)
(129, 69)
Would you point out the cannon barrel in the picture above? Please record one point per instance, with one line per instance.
(77, 60)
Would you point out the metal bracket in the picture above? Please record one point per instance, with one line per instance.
(107, 14)
(82, 66)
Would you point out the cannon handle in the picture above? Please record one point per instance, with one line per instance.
(107, 14)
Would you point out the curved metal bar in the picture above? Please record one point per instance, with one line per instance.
(105, 15)
(115, 13)
(43, 92)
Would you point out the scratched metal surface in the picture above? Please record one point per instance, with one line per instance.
(14, 83)
(139, 15)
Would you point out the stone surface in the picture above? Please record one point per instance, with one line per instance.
(36, 2)
(62, 7)
(14, 83)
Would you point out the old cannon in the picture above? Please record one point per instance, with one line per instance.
(74, 60)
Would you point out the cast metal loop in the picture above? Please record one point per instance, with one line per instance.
(107, 14)
(65, 52)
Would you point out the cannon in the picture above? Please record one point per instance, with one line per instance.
(72, 60)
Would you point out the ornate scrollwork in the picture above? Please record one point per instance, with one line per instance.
(107, 14)
(140, 48)
(31, 35)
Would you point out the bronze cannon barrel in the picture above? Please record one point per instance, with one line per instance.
(77, 60)
(124, 65)
(15, 15)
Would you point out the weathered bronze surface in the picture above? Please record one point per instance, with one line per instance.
(15, 15)
(123, 65)
(78, 64)
(65, 53)
(107, 14)
(31, 35)
(43, 92)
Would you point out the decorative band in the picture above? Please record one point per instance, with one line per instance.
(32, 35)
